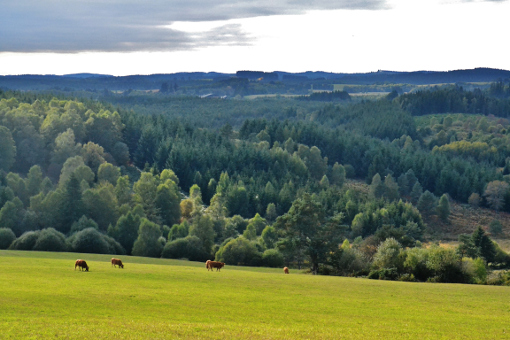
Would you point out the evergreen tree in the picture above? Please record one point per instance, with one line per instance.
(72, 205)
(7, 149)
(486, 247)
(377, 188)
(443, 207)
(306, 232)
(427, 203)
(391, 188)
(416, 192)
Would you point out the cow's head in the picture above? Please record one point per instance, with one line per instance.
(122, 266)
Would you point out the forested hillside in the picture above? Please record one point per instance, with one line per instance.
(258, 182)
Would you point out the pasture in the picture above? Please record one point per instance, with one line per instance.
(42, 297)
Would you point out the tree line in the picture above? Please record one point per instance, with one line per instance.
(80, 176)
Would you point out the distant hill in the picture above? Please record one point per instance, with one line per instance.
(98, 82)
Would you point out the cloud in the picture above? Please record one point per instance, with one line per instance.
(139, 25)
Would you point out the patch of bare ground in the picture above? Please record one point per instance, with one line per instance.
(464, 219)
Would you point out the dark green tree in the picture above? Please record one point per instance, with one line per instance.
(427, 203)
(72, 205)
(484, 244)
(147, 243)
(7, 149)
(443, 207)
(168, 204)
(305, 230)
(125, 230)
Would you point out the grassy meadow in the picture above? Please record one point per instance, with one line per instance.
(42, 297)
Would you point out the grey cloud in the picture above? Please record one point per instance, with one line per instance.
(137, 25)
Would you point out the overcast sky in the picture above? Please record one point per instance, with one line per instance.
(122, 37)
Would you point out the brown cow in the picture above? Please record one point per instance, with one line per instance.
(285, 270)
(117, 262)
(82, 264)
(214, 264)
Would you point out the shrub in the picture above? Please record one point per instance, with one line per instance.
(349, 261)
(384, 274)
(115, 247)
(387, 255)
(7, 236)
(89, 241)
(189, 247)
(445, 264)
(51, 240)
(239, 251)
(474, 270)
(26, 241)
(272, 258)
(500, 279)
(416, 263)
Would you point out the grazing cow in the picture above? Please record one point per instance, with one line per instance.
(117, 262)
(285, 270)
(214, 264)
(81, 264)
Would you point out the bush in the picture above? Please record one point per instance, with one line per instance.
(7, 236)
(239, 251)
(384, 274)
(115, 247)
(388, 255)
(89, 241)
(445, 264)
(474, 270)
(416, 263)
(500, 279)
(189, 247)
(502, 259)
(349, 261)
(26, 241)
(272, 258)
(51, 240)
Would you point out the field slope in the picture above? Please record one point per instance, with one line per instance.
(42, 297)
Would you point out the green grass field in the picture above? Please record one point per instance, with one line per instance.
(43, 297)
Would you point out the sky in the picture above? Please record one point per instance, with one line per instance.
(124, 37)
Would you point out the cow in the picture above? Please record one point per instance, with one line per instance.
(214, 264)
(285, 270)
(81, 264)
(117, 262)
(207, 264)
